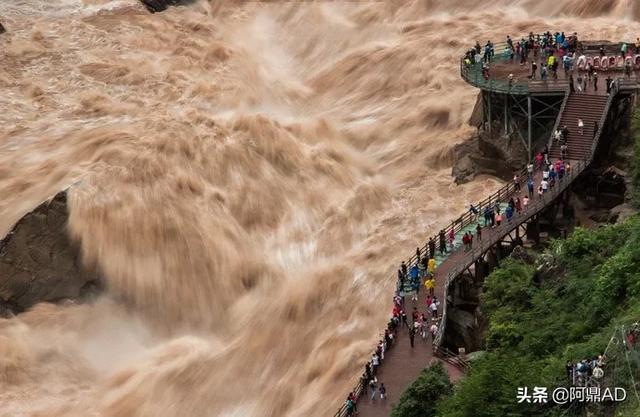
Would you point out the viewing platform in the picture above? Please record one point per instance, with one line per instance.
(502, 65)
(521, 107)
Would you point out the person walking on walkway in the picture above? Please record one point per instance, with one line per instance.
(451, 238)
(525, 203)
(434, 308)
(579, 79)
(412, 335)
(595, 81)
(373, 386)
(430, 285)
(595, 128)
(479, 232)
(580, 127)
(431, 267)
(443, 243)
(518, 205)
(530, 187)
(509, 213)
(433, 330)
(516, 183)
(498, 219)
(383, 391)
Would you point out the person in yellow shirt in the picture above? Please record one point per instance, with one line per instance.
(431, 266)
(430, 284)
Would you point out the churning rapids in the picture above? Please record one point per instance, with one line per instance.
(246, 176)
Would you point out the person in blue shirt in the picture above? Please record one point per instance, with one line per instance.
(509, 212)
(530, 187)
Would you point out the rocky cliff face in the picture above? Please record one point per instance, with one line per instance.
(38, 262)
(479, 154)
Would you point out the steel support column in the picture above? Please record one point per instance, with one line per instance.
(529, 118)
(490, 119)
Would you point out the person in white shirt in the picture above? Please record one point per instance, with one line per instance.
(580, 126)
(545, 186)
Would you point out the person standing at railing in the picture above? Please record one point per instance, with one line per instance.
(451, 238)
(432, 248)
(473, 211)
(350, 406)
(443, 243)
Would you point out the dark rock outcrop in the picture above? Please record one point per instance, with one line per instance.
(2, 29)
(38, 261)
(480, 154)
(155, 6)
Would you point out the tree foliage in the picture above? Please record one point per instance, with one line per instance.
(542, 315)
(422, 396)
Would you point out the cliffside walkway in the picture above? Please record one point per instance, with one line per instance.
(403, 363)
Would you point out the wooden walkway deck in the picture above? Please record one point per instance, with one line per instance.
(402, 364)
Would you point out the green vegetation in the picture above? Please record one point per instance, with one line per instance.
(635, 133)
(421, 398)
(566, 307)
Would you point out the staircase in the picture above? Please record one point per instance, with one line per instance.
(590, 108)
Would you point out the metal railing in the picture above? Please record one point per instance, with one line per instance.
(536, 205)
(556, 125)
(450, 357)
(507, 228)
(473, 74)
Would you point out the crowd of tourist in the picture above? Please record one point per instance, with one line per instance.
(546, 54)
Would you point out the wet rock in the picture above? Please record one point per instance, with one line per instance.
(155, 6)
(38, 261)
(481, 155)
(2, 29)
(521, 254)
(620, 213)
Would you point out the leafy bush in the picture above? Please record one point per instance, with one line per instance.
(539, 319)
(422, 396)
